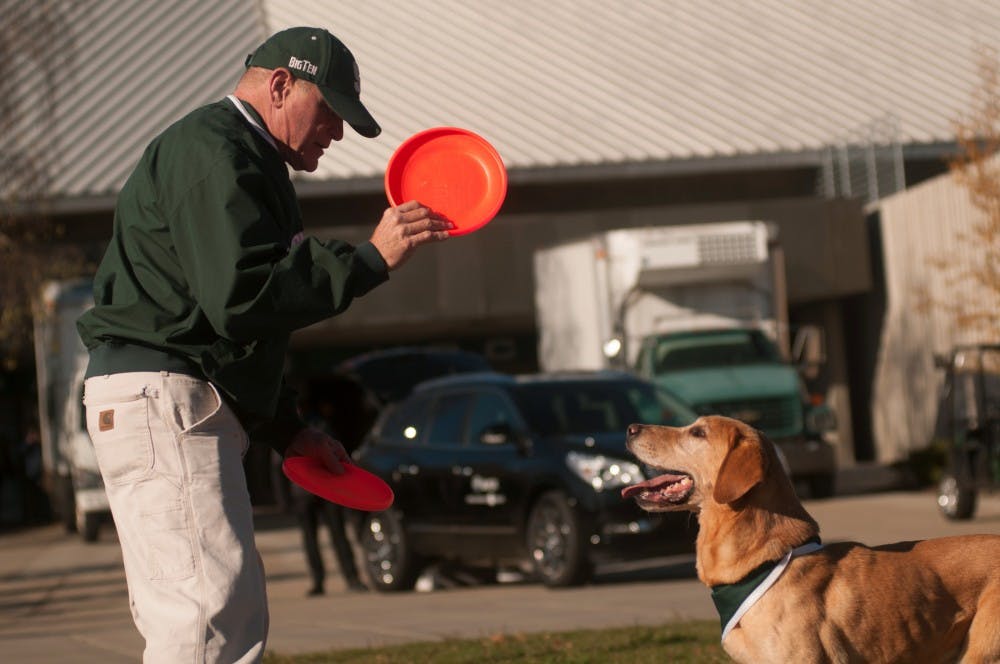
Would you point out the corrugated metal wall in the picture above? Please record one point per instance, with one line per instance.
(920, 226)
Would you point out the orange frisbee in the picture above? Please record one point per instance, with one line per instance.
(453, 171)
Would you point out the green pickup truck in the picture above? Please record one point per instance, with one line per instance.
(739, 372)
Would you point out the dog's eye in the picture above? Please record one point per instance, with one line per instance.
(697, 432)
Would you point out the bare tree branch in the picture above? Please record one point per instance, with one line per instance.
(977, 169)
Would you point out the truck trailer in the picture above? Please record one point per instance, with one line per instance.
(701, 309)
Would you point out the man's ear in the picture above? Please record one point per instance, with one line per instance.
(279, 86)
(741, 470)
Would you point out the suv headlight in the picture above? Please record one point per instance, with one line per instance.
(602, 472)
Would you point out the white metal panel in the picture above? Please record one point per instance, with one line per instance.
(561, 83)
(573, 305)
(114, 74)
(565, 83)
(929, 223)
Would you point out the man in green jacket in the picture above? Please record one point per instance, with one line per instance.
(206, 276)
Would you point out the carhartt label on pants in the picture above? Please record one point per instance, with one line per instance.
(106, 420)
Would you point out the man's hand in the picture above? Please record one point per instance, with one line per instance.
(406, 227)
(312, 442)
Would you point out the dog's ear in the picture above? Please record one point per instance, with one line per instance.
(742, 469)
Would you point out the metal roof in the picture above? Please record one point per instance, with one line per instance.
(555, 85)
(108, 76)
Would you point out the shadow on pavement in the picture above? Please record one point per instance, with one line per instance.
(676, 568)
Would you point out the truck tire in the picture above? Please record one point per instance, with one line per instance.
(554, 537)
(66, 502)
(822, 486)
(89, 525)
(955, 502)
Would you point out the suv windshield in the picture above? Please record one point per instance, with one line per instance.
(714, 350)
(593, 407)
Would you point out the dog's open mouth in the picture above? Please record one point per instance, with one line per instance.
(673, 487)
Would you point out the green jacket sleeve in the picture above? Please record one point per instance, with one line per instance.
(233, 234)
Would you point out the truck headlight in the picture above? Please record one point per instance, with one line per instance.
(602, 472)
(821, 419)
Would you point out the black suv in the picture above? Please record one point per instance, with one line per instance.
(490, 470)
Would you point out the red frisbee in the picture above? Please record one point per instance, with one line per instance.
(453, 171)
(356, 488)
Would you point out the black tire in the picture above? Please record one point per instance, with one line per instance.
(66, 502)
(555, 541)
(90, 526)
(388, 559)
(956, 502)
(822, 486)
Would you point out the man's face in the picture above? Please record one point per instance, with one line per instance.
(306, 126)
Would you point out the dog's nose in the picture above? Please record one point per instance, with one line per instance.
(633, 430)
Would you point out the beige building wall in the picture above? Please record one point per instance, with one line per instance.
(919, 226)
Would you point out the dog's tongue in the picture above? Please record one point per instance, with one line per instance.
(651, 485)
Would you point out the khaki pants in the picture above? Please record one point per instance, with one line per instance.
(170, 451)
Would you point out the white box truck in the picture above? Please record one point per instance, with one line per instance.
(69, 463)
(700, 309)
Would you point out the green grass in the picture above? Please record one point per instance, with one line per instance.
(694, 642)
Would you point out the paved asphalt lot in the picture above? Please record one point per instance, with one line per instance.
(63, 600)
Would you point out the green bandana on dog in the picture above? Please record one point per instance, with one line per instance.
(733, 600)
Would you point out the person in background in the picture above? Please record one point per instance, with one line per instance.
(321, 412)
(340, 405)
(11, 481)
(37, 508)
(206, 275)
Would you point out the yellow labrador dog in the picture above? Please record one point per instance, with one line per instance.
(783, 597)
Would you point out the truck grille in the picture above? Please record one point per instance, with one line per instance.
(777, 418)
(729, 249)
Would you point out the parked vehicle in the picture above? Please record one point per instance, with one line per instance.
(699, 309)
(739, 372)
(491, 470)
(68, 459)
(389, 374)
(969, 422)
(362, 385)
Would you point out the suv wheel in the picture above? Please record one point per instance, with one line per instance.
(554, 538)
(822, 486)
(389, 562)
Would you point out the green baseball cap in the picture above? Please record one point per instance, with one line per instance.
(313, 54)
